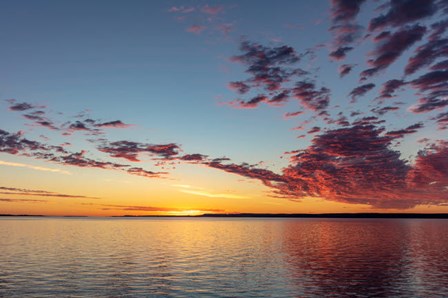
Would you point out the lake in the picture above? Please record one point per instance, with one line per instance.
(223, 257)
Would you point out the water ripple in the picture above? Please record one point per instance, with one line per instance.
(51, 257)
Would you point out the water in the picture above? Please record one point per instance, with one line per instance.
(67, 257)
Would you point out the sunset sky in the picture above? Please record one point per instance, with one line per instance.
(190, 107)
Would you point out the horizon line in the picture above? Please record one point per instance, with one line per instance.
(258, 215)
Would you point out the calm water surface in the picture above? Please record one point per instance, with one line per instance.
(67, 257)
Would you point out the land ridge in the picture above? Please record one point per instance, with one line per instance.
(270, 215)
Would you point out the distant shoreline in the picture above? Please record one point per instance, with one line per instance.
(265, 215)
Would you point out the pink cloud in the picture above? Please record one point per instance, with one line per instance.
(182, 9)
(196, 29)
(212, 10)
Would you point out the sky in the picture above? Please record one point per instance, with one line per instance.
(191, 107)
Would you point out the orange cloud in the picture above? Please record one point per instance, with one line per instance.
(37, 168)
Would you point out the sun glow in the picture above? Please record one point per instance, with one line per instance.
(186, 212)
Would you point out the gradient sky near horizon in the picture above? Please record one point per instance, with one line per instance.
(190, 107)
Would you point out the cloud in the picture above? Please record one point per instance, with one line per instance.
(427, 54)
(92, 127)
(429, 176)
(402, 132)
(78, 125)
(196, 29)
(15, 189)
(345, 10)
(279, 98)
(389, 88)
(130, 150)
(310, 96)
(356, 165)
(123, 149)
(39, 193)
(391, 47)
(344, 165)
(442, 120)
(113, 124)
(79, 159)
(212, 10)
(360, 91)
(431, 80)
(384, 110)
(250, 104)
(313, 130)
(344, 29)
(437, 29)
(269, 67)
(15, 143)
(340, 121)
(274, 71)
(18, 145)
(201, 18)
(246, 170)
(22, 165)
(381, 36)
(137, 208)
(38, 116)
(225, 28)
(45, 123)
(240, 87)
(212, 195)
(153, 208)
(21, 200)
(428, 105)
(434, 86)
(345, 69)
(402, 12)
(292, 114)
(340, 53)
(39, 119)
(196, 157)
(144, 173)
(442, 65)
(182, 9)
(367, 121)
(21, 107)
(276, 100)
